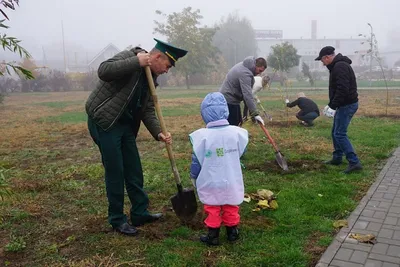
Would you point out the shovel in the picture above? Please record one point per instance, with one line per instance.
(280, 159)
(184, 203)
(266, 115)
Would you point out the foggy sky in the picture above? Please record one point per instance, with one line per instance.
(90, 25)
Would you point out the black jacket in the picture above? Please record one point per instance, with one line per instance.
(342, 82)
(305, 104)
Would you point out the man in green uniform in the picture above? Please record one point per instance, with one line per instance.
(120, 102)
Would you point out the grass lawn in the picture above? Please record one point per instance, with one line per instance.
(56, 214)
(365, 84)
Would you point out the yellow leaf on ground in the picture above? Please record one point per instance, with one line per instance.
(273, 204)
(368, 238)
(263, 204)
(265, 194)
(340, 223)
(256, 209)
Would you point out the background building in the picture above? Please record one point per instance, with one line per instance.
(308, 49)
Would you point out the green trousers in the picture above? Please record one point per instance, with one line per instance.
(122, 166)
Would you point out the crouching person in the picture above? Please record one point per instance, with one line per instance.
(308, 109)
(216, 171)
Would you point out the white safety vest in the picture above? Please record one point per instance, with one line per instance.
(218, 149)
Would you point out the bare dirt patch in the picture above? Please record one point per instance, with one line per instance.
(296, 166)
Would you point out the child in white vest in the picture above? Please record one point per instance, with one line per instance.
(216, 171)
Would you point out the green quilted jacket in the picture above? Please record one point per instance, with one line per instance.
(119, 77)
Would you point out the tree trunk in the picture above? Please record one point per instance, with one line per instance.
(282, 78)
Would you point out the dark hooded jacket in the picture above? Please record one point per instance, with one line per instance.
(342, 82)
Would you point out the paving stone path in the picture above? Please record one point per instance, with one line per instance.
(378, 213)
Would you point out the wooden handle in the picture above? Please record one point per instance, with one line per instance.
(262, 108)
(269, 137)
(162, 123)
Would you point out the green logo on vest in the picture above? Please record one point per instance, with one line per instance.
(220, 152)
(208, 154)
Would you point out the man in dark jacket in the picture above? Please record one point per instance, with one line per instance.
(343, 99)
(308, 109)
(120, 102)
(237, 87)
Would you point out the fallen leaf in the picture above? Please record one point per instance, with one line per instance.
(340, 223)
(368, 238)
(254, 196)
(256, 209)
(273, 204)
(247, 199)
(263, 204)
(320, 195)
(265, 194)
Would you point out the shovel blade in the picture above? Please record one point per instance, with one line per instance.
(280, 159)
(184, 204)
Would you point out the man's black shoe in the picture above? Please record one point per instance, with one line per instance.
(140, 220)
(353, 168)
(126, 229)
(333, 162)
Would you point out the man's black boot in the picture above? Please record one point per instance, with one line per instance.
(212, 238)
(353, 168)
(333, 162)
(126, 229)
(232, 233)
(149, 218)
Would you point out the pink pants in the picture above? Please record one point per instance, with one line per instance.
(227, 214)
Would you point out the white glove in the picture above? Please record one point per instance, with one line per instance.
(259, 119)
(193, 182)
(287, 101)
(330, 113)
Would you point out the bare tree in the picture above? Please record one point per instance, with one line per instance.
(373, 54)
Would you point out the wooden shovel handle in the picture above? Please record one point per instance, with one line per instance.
(269, 137)
(163, 127)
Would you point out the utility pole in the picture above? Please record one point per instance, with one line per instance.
(44, 58)
(63, 41)
(235, 49)
(371, 54)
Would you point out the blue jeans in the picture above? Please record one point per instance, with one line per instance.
(308, 118)
(341, 142)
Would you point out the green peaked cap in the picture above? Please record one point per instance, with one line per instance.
(172, 52)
